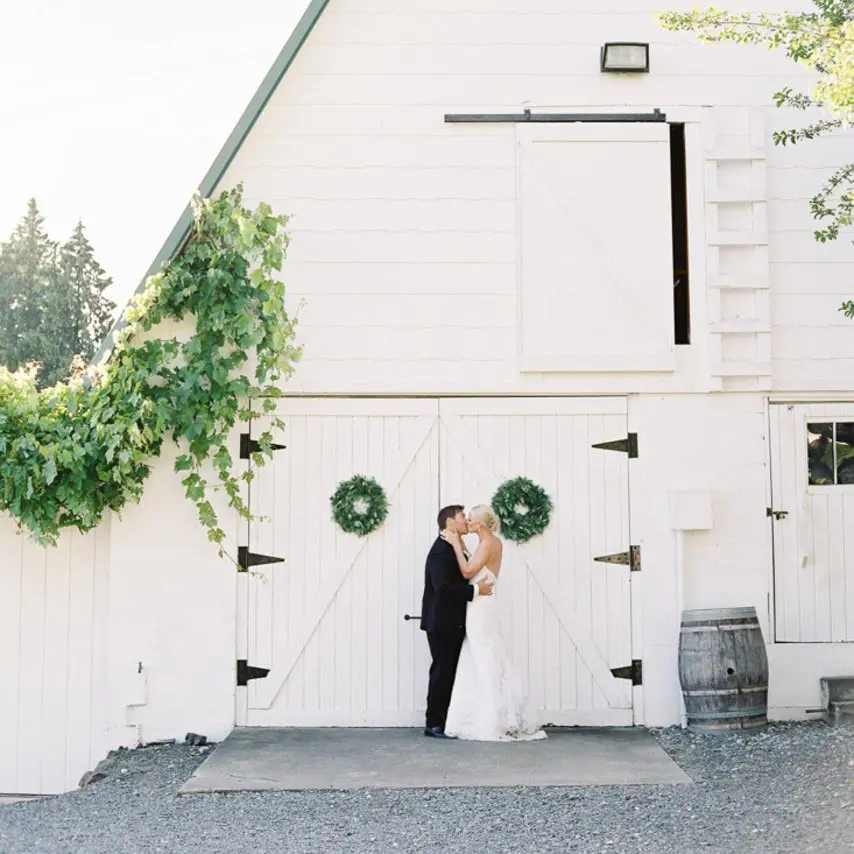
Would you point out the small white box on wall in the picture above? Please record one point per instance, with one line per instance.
(691, 510)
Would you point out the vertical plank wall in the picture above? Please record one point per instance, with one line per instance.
(53, 606)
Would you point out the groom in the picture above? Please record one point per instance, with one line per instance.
(443, 616)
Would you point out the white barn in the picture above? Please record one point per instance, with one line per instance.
(494, 284)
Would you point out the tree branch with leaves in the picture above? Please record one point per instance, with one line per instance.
(74, 451)
(821, 41)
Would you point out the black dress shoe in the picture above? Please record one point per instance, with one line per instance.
(437, 732)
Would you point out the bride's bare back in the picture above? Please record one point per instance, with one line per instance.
(493, 551)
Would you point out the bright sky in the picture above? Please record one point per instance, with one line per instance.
(112, 111)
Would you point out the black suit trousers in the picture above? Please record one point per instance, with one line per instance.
(445, 649)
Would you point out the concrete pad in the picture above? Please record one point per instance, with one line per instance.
(272, 759)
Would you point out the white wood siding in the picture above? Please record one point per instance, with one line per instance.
(395, 208)
(53, 706)
(812, 341)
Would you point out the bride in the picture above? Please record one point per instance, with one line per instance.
(487, 703)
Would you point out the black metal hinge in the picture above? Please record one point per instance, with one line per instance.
(634, 672)
(631, 558)
(629, 445)
(245, 672)
(249, 446)
(245, 559)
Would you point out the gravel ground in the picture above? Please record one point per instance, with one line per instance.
(789, 788)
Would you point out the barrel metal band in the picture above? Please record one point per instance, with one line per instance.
(717, 692)
(742, 713)
(719, 628)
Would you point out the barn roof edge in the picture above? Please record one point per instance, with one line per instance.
(226, 155)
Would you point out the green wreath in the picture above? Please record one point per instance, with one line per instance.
(359, 505)
(523, 507)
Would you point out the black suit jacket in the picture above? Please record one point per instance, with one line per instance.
(446, 592)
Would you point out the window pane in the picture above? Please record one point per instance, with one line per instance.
(845, 452)
(820, 453)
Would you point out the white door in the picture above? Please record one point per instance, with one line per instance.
(812, 487)
(328, 621)
(566, 618)
(595, 247)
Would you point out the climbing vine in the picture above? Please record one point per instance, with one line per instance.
(72, 452)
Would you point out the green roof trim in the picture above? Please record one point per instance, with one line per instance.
(227, 153)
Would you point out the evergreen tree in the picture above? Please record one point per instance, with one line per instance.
(77, 315)
(27, 274)
(52, 302)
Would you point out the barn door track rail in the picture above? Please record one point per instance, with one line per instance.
(527, 116)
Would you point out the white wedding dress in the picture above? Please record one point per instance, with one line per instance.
(487, 703)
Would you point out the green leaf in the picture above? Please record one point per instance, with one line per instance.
(104, 435)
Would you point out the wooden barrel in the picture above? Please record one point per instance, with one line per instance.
(723, 668)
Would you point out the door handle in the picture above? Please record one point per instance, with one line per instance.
(777, 514)
(409, 617)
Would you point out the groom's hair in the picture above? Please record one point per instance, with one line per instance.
(448, 513)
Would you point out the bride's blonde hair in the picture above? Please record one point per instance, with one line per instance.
(486, 516)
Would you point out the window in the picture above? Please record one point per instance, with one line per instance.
(830, 453)
(679, 228)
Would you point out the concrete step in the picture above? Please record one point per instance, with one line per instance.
(840, 713)
(836, 689)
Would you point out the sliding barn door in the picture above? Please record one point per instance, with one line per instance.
(595, 247)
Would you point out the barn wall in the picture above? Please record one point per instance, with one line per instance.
(172, 607)
(405, 253)
(696, 448)
(405, 257)
(120, 637)
(692, 449)
(53, 659)
(405, 230)
(172, 618)
(812, 342)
